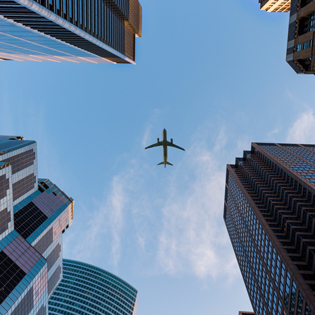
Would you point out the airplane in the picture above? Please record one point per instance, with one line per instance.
(165, 144)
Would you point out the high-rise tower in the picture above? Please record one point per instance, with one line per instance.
(33, 215)
(269, 211)
(300, 50)
(85, 289)
(301, 33)
(275, 5)
(97, 31)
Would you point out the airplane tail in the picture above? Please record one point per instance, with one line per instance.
(168, 163)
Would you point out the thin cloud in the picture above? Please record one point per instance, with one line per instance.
(193, 239)
(106, 222)
(117, 203)
(273, 132)
(172, 224)
(303, 129)
(146, 136)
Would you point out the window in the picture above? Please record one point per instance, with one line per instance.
(85, 12)
(300, 304)
(304, 45)
(307, 310)
(76, 9)
(81, 14)
(89, 16)
(70, 8)
(279, 306)
(287, 289)
(298, 47)
(311, 43)
(293, 297)
(274, 311)
(282, 280)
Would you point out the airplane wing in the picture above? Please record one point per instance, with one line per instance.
(174, 145)
(154, 145)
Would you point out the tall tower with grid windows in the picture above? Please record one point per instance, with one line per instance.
(93, 31)
(269, 212)
(34, 213)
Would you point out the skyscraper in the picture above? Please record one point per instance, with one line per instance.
(97, 31)
(269, 212)
(300, 51)
(85, 289)
(275, 5)
(33, 215)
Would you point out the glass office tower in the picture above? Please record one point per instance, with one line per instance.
(33, 215)
(96, 31)
(269, 212)
(88, 290)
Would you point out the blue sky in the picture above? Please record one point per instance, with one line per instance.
(213, 73)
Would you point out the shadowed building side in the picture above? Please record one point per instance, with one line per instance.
(300, 53)
(300, 47)
(269, 212)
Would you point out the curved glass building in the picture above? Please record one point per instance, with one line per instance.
(85, 289)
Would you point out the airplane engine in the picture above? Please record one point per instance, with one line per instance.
(158, 140)
(171, 140)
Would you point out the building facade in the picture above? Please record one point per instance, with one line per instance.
(33, 215)
(95, 31)
(275, 5)
(300, 50)
(269, 212)
(88, 290)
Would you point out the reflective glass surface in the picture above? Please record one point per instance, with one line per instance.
(86, 289)
(18, 42)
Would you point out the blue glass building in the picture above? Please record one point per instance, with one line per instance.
(95, 31)
(34, 213)
(88, 290)
(269, 212)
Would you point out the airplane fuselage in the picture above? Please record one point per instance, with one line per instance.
(164, 137)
